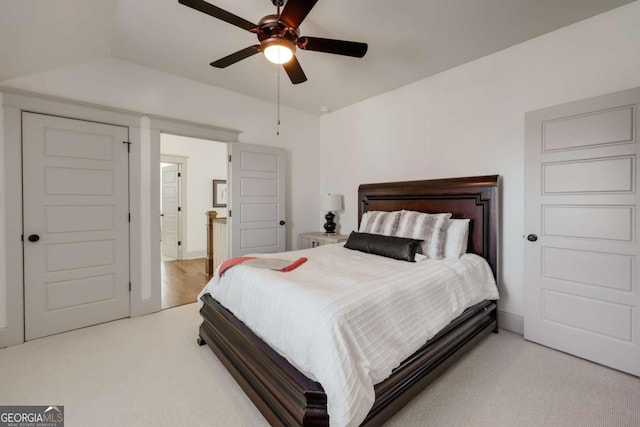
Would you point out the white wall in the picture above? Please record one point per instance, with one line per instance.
(470, 121)
(206, 161)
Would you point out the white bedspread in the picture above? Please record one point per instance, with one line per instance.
(346, 319)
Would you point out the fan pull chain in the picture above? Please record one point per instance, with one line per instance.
(278, 97)
(278, 3)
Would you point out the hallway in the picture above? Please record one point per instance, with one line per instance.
(182, 281)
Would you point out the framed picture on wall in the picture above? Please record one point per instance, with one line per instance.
(219, 193)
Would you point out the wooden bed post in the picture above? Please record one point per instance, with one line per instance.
(211, 216)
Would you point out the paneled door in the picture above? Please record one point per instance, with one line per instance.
(257, 199)
(76, 226)
(581, 220)
(170, 224)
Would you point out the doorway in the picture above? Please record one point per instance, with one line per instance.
(171, 210)
(185, 200)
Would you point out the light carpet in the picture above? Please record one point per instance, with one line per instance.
(149, 371)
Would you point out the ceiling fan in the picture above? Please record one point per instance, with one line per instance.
(279, 36)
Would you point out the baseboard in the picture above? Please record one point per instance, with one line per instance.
(196, 254)
(511, 322)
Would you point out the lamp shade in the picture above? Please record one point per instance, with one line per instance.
(278, 50)
(332, 203)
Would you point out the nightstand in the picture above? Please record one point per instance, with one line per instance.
(313, 240)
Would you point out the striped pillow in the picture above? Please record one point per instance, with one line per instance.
(379, 222)
(426, 227)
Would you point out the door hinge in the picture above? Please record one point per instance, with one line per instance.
(229, 158)
(179, 174)
(179, 209)
(22, 237)
(229, 213)
(179, 243)
(129, 217)
(129, 286)
(128, 145)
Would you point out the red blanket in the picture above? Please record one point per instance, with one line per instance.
(275, 264)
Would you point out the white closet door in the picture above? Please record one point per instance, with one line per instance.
(581, 274)
(76, 226)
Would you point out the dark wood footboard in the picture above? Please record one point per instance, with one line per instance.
(283, 394)
(286, 397)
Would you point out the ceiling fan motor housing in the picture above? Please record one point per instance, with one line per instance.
(271, 27)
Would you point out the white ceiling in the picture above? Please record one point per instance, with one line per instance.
(408, 40)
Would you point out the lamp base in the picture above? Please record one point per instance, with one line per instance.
(329, 226)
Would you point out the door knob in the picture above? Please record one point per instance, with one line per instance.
(34, 238)
(532, 237)
(282, 223)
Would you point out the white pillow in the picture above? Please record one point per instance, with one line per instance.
(456, 233)
(426, 227)
(379, 222)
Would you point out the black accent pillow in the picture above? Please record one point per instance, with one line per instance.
(401, 248)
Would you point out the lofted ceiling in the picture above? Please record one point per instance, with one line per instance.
(408, 40)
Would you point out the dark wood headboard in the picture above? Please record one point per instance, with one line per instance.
(476, 198)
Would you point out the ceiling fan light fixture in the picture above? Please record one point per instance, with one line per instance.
(279, 36)
(278, 50)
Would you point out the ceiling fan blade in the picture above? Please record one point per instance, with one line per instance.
(235, 57)
(295, 11)
(338, 47)
(294, 71)
(216, 12)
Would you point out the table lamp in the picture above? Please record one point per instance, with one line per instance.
(331, 203)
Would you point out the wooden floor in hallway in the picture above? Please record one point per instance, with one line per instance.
(182, 281)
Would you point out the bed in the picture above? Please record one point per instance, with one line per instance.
(285, 396)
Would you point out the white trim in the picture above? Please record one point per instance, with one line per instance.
(147, 226)
(47, 104)
(196, 254)
(13, 332)
(511, 322)
(172, 158)
(13, 190)
(192, 129)
(54, 106)
(3, 240)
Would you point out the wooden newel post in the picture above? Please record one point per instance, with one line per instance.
(211, 216)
